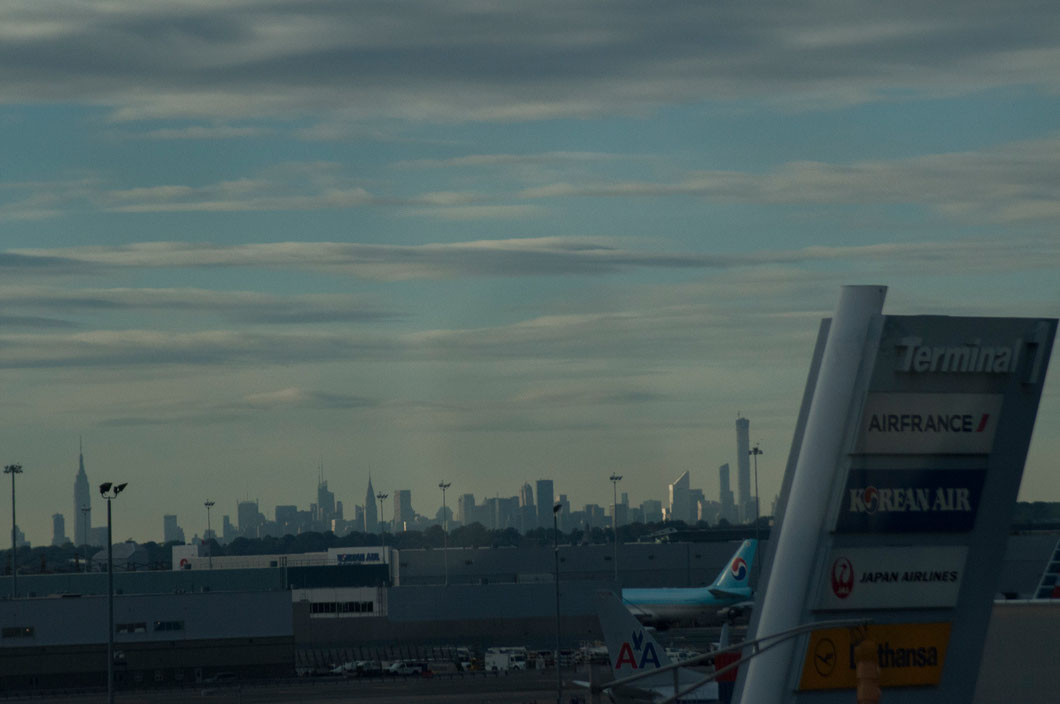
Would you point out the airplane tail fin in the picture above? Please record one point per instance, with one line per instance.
(735, 576)
(631, 648)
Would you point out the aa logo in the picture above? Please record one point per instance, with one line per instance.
(627, 656)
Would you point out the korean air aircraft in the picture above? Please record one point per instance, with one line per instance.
(632, 650)
(727, 595)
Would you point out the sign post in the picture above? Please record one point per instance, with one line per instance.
(898, 503)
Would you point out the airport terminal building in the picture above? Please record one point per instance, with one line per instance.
(274, 616)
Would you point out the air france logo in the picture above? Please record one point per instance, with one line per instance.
(627, 653)
(739, 569)
(842, 578)
(948, 423)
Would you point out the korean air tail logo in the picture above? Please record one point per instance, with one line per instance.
(739, 569)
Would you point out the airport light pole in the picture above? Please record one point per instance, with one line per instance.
(110, 492)
(209, 533)
(555, 551)
(13, 469)
(615, 479)
(84, 531)
(382, 531)
(755, 452)
(443, 485)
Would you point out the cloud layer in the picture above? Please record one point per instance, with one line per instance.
(473, 60)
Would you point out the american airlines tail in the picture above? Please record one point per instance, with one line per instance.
(632, 650)
(630, 646)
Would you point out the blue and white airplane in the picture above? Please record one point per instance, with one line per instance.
(729, 594)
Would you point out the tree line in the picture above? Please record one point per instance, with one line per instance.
(70, 558)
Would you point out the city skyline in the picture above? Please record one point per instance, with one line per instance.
(467, 243)
(325, 508)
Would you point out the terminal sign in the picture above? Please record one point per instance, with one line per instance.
(909, 654)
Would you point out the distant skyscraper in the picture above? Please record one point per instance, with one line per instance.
(59, 530)
(403, 514)
(526, 495)
(171, 532)
(503, 513)
(680, 499)
(546, 499)
(725, 498)
(465, 509)
(250, 519)
(652, 511)
(82, 499)
(287, 519)
(371, 512)
(325, 501)
(527, 510)
(228, 531)
(695, 499)
(20, 538)
(743, 469)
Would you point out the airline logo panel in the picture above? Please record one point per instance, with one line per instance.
(898, 577)
(909, 654)
(925, 424)
(910, 500)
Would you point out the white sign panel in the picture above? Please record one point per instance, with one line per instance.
(928, 424)
(900, 577)
(356, 556)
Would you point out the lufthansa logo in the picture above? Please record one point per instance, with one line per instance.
(824, 657)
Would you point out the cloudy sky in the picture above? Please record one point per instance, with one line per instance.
(486, 242)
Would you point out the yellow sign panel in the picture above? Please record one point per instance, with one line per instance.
(909, 654)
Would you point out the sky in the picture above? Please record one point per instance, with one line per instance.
(487, 242)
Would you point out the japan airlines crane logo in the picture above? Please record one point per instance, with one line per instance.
(739, 569)
(842, 578)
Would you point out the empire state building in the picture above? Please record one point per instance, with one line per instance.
(82, 499)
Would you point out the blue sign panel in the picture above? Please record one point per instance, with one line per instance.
(910, 500)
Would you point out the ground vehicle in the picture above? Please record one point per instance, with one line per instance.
(407, 667)
(221, 678)
(498, 659)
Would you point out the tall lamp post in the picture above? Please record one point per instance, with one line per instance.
(755, 452)
(13, 469)
(443, 485)
(209, 533)
(555, 551)
(109, 492)
(382, 530)
(615, 479)
(85, 510)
